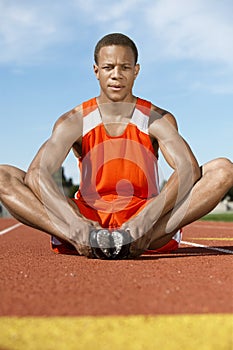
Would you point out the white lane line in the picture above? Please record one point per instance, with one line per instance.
(220, 250)
(212, 238)
(8, 229)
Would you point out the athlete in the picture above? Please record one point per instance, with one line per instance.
(116, 138)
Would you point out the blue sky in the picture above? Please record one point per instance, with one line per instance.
(46, 58)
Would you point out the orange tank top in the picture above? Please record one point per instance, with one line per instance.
(118, 174)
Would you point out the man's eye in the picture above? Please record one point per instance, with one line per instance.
(107, 67)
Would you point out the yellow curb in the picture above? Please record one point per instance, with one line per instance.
(191, 332)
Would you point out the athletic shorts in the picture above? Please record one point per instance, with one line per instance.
(112, 220)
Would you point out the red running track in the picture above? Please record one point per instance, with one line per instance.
(36, 282)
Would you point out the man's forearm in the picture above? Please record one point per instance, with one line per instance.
(60, 212)
(176, 189)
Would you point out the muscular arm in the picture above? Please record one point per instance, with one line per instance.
(179, 157)
(186, 172)
(67, 130)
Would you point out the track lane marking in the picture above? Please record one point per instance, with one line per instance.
(220, 250)
(8, 229)
(212, 238)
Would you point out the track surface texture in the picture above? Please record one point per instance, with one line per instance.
(193, 280)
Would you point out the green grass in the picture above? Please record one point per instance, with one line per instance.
(219, 217)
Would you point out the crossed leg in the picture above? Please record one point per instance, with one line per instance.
(216, 180)
(24, 205)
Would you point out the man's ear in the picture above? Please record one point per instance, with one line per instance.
(96, 71)
(136, 70)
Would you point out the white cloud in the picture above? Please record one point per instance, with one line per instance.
(120, 16)
(104, 11)
(194, 29)
(26, 31)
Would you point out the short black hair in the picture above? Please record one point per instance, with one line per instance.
(115, 39)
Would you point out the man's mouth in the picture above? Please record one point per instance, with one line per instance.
(116, 87)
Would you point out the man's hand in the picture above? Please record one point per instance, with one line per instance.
(141, 240)
(79, 235)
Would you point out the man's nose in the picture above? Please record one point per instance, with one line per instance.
(116, 72)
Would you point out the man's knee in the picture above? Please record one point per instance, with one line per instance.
(225, 169)
(7, 176)
(222, 171)
(4, 178)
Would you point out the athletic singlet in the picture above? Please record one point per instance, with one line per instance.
(118, 174)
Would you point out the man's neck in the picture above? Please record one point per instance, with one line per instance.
(116, 110)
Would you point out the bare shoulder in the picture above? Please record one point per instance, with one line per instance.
(70, 118)
(68, 129)
(158, 113)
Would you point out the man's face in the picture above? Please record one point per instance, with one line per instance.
(116, 72)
